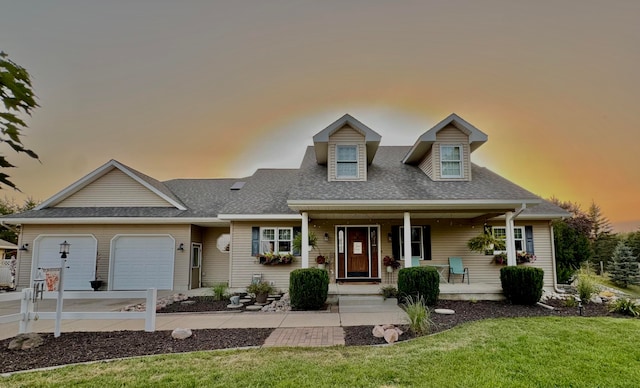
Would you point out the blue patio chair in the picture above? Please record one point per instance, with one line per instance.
(456, 268)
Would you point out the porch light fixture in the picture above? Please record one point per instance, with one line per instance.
(326, 236)
(64, 249)
(390, 237)
(181, 247)
(24, 247)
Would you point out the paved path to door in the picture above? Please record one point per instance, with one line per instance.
(306, 336)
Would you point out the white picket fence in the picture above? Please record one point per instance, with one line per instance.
(27, 314)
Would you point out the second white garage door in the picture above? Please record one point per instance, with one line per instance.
(141, 262)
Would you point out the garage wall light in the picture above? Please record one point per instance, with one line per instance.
(24, 247)
(181, 247)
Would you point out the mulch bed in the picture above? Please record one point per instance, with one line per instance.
(91, 346)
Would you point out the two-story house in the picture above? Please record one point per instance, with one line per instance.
(363, 201)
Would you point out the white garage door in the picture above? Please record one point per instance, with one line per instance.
(81, 261)
(141, 262)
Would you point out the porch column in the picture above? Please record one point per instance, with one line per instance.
(407, 240)
(304, 249)
(510, 246)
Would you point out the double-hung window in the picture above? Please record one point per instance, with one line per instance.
(500, 232)
(417, 241)
(451, 161)
(346, 161)
(276, 240)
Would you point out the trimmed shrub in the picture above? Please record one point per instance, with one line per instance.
(418, 282)
(522, 285)
(308, 288)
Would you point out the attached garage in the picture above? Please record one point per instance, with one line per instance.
(141, 262)
(81, 261)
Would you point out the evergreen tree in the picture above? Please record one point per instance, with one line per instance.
(603, 242)
(623, 268)
(633, 241)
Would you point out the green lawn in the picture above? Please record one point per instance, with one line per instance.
(522, 352)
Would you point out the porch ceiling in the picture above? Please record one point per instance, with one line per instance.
(389, 215)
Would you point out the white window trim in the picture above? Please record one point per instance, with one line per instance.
(276, 239)
(523, 239)
(461, 161)
(421, 256)
(356, 161)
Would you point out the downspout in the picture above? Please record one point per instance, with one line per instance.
(510, 246)
(553, 262)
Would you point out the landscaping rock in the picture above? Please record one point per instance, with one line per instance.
(284, 304)
(25, 341)
(235, 306)
(391, 335)
(245, 300)
(180, 333)
(253, 307)
(378, 331)
(444, 311)
(188, 302)
(596, 299)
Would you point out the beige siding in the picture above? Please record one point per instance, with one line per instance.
(347, 136)
(427, 164)
(244, 265)
(446, 241)
(451, 136)
(215, 264)
(104, 234)
(114, 189)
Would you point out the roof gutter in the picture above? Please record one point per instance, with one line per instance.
(260, 217)
(463, 204)
(112, 220)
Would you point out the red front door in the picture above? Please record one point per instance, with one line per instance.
(357, 252)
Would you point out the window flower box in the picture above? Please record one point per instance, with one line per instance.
(275, 258)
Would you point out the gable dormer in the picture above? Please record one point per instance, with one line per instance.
(444, 151)
(347, 148)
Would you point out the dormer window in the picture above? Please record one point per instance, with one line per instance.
(451, 161)
(346, 161)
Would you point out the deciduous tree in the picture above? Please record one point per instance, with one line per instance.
(18, 98)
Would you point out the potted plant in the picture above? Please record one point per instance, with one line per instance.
(500, 259)
(485, 243)
(321, 261)
(261, 290)
(297, 241)
(96, 283)
(390, 263)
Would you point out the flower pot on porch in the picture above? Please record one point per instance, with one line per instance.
(389, 269)
(321, 266)
(96, 284)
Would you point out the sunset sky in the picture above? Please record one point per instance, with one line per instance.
(205, 89)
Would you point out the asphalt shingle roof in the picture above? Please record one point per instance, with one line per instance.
(267, 190)
(389, 179)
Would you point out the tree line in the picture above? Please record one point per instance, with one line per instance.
(586, 238)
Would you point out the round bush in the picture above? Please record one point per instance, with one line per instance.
(308, 288)
(522, 285)
(419, 282)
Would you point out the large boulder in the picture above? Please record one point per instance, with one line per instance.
(26, 341)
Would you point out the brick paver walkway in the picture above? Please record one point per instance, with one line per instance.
(306, 336)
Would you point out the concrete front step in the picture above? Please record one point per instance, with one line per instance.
(367, 304)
